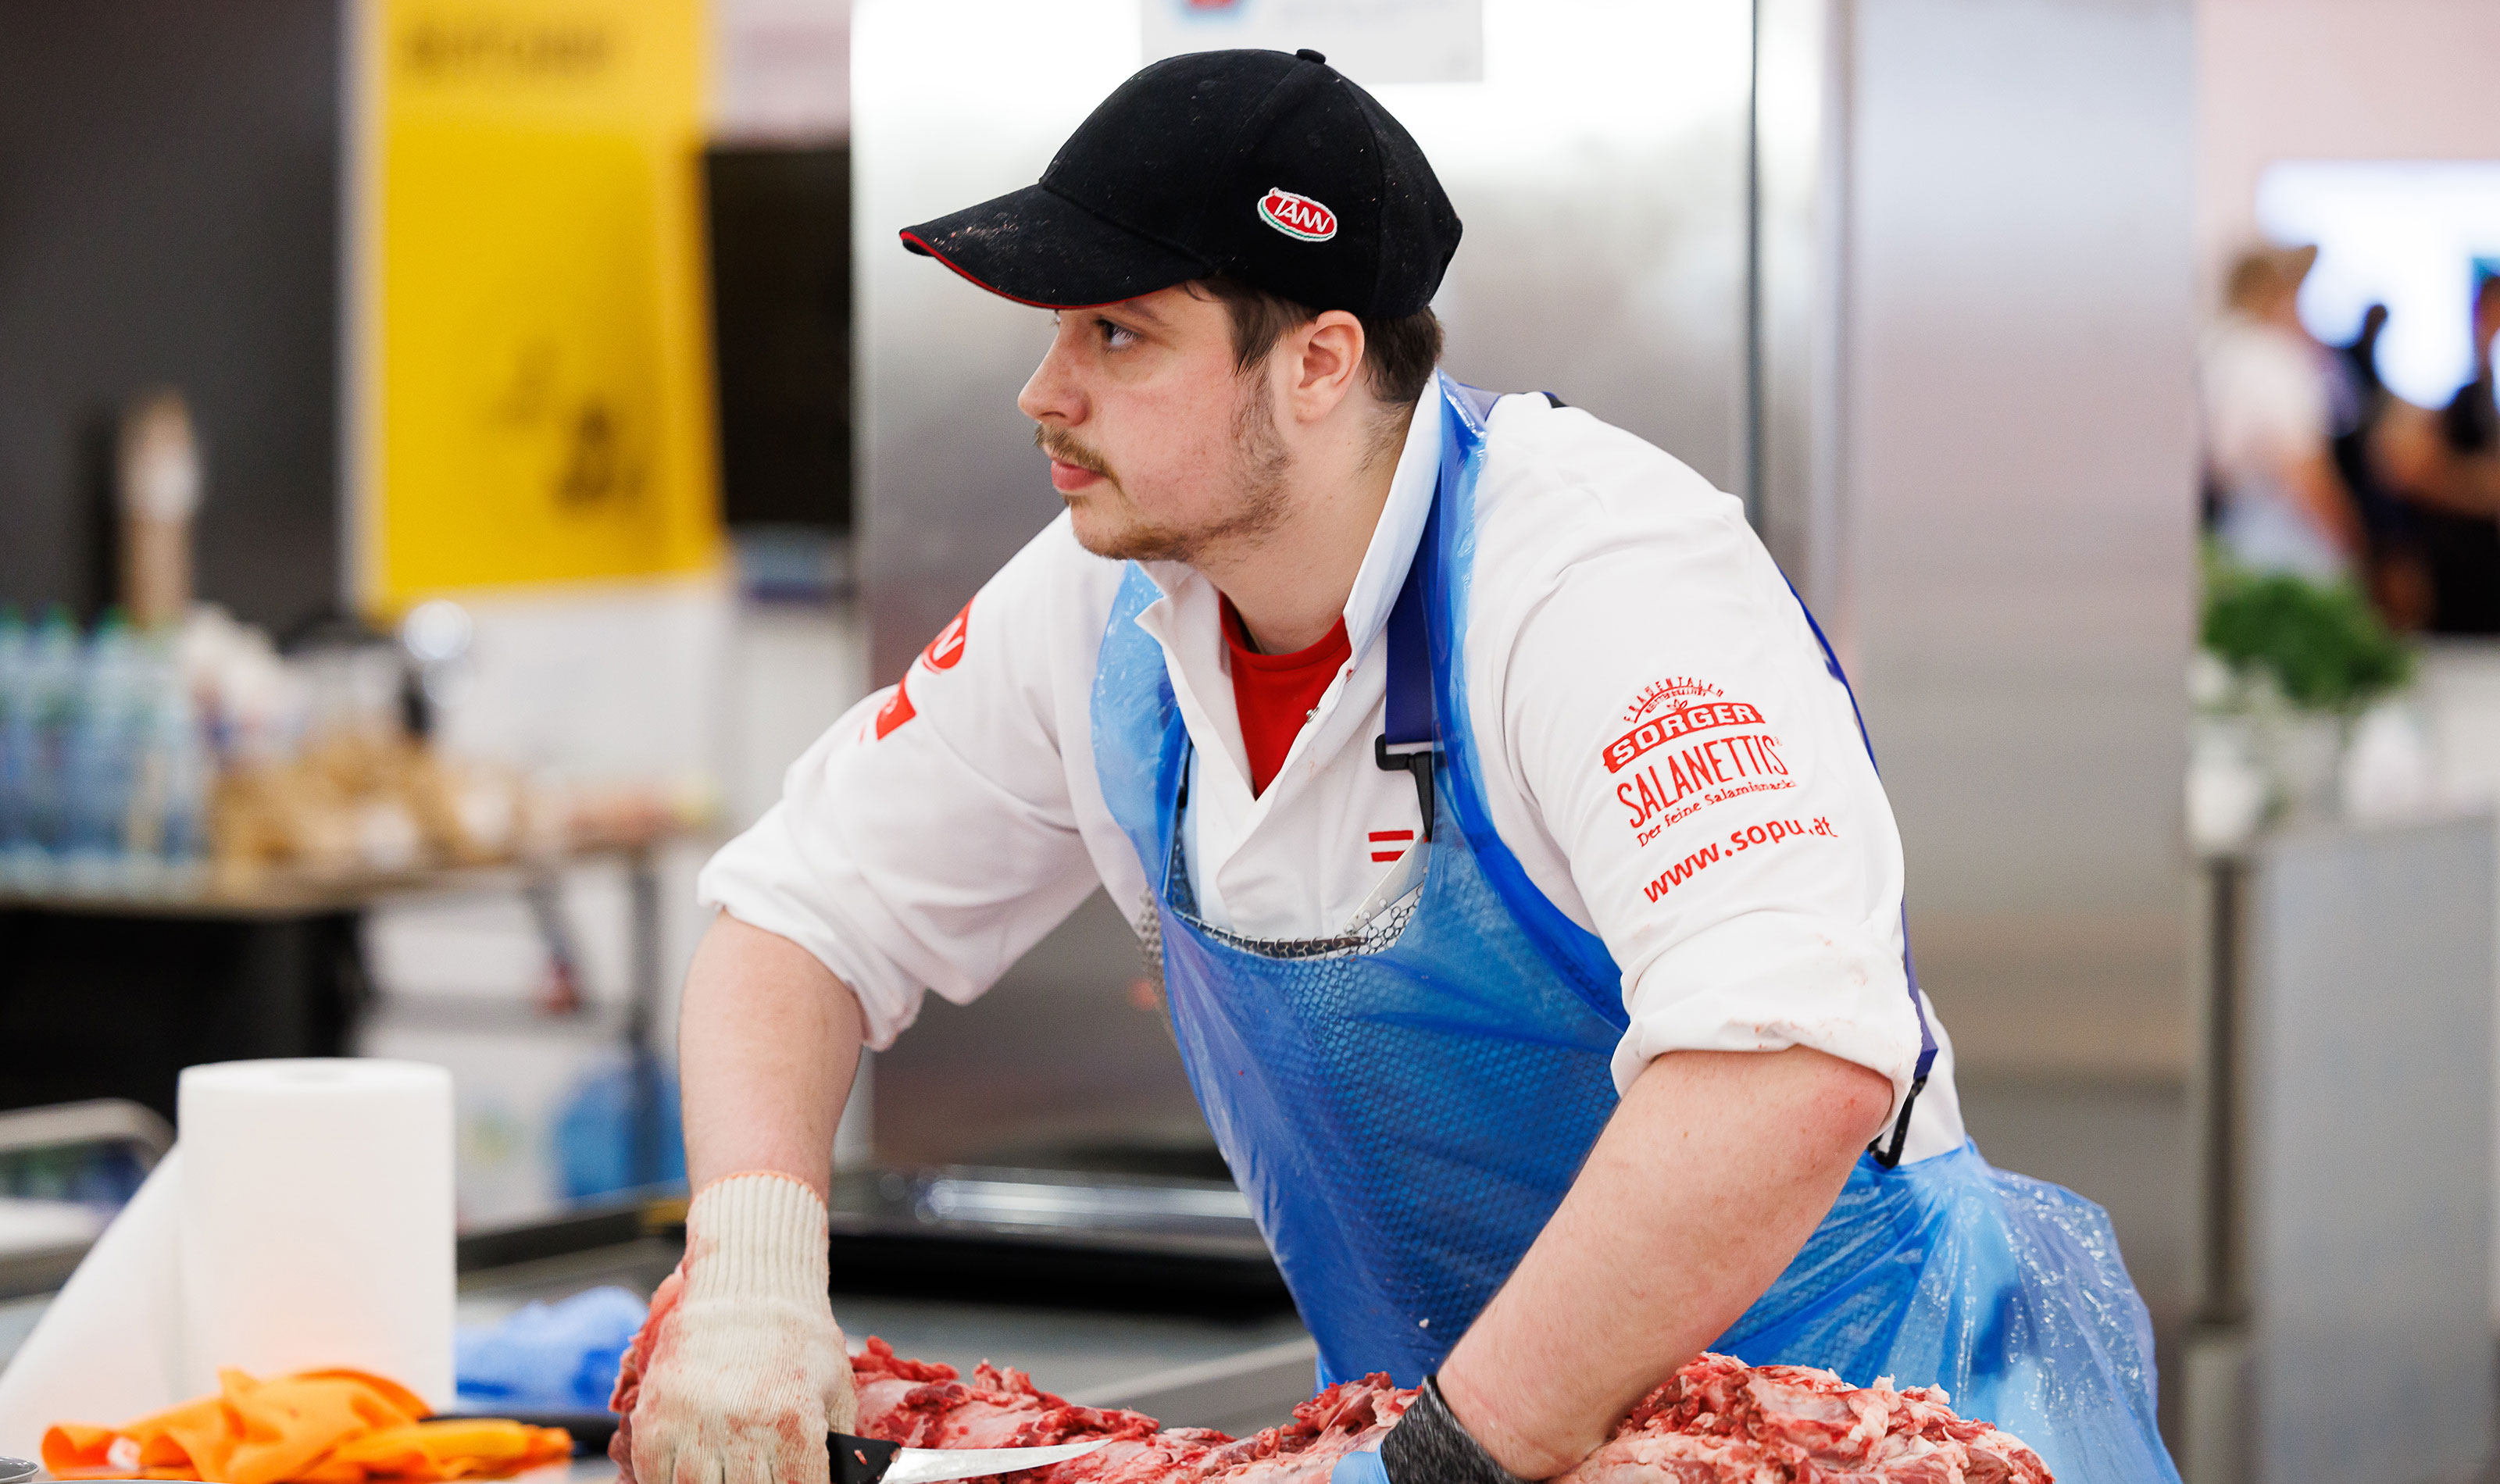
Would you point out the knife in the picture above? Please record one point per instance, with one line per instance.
(874, 1461)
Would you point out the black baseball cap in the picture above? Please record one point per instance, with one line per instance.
(1267, 168)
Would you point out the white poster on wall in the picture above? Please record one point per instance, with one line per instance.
(1373, 42)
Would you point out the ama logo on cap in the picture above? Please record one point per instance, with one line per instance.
(1297, 216)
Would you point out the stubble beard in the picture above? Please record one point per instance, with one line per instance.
(1256, 509)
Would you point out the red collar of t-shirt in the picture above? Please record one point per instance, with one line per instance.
(1276, 693)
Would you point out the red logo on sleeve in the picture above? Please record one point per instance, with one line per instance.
(1689, 747)
(946, 651)
(1683, 721)
(897, 710)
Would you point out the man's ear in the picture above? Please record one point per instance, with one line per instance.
(1328, 359)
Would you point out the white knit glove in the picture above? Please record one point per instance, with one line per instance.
(739, 1371)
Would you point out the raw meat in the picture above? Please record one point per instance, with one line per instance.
(1723, 1420)
(921, 1405)
(1718, 1421)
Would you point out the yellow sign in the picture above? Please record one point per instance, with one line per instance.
(533, 388)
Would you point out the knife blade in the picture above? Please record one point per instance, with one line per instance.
(874, 1461)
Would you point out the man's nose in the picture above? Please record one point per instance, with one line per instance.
(1051, 396)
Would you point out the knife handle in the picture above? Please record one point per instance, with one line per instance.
(859, 1460)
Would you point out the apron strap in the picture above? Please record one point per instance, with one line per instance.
(1887, 1157)
(1411, 736)
(1411, 739)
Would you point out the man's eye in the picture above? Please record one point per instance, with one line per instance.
(1116, 337)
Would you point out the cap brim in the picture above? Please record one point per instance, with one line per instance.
(1038, 247)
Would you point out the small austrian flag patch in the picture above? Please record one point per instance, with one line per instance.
(1297, 216)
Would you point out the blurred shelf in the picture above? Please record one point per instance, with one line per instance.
(295, 895)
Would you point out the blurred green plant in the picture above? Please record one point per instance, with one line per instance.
(2322, 643)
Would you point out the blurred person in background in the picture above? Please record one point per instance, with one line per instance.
(2463, 537)
(2357, 404)
(2361, 356)
(2445, 465)
(2281, 504)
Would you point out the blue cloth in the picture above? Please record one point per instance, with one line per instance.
(558, 1357)
(1359, 1469)
(1404, 1117)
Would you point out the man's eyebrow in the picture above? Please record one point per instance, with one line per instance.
(1137, 307)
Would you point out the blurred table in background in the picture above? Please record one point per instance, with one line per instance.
(2342, 1266)
(110, 994)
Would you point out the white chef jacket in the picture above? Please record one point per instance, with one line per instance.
(1665, 753)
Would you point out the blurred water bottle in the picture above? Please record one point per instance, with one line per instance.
(17, 740)
(185, 846)
(620, 1131)
(169, 776)
(100, 757)
(52, 691)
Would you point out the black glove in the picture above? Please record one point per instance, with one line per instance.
(1429, 1447)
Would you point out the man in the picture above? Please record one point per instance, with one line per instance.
(1528, 905)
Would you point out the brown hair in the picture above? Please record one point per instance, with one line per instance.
(1401, 351)
(2261, 273)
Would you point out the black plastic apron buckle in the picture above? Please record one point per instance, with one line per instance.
(1889, 1158)
(1414, 758)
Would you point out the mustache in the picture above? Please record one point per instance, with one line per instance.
(1063, 447)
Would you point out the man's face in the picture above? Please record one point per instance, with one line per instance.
(1159, 446)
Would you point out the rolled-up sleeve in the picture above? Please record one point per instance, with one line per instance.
(1670, 715)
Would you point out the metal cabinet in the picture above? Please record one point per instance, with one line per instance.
(2343, 1114)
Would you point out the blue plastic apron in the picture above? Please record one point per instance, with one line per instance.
(1406, 1113)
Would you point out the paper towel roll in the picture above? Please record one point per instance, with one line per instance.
(317, 1221)
(107, 1347)
(306, 1220)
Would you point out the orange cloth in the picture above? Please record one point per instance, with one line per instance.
(316, 1427)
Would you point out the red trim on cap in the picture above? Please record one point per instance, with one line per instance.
(921, 243)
